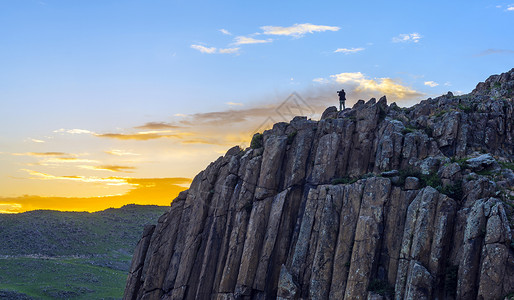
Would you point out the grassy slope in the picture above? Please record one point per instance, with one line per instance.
(70, 255)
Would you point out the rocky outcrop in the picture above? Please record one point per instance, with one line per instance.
(374, 202)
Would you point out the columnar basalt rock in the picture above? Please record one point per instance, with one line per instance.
(374, 202)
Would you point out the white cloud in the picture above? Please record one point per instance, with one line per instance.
(511, 7)
(119, 152)
(234, 104)
(431, 83)
(386, 86)
(407, 38)
(228, 50)
(214, 50)
(348, 50)
(204, 49)
(37, 141)
(73, 131)
(321, 80)
(243, 40)
(297, 30)
(224, 31)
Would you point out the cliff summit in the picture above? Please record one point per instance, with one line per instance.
(372, 202)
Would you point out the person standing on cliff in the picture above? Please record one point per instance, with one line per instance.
(342, 98)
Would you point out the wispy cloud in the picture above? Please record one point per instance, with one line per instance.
(224, 31)
(203, 49)
(42, 154)
(157, 125)
(111, 168)
(136, 136)
(245, 40)
(431, 83)
(90, 179)
(119, 152)
(407, 38)
(386, 86)
(229, 50)
(58, 160)
(37, 141)
(73, 131)
(214, 50)
(510, 7)
(348, 50)
(297, 30)
(234, 104)
(495, 51)
(321, 80)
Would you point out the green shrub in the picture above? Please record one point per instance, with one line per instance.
(465, 108)
(408, 129)
(344, 180)
(432, 180)
(257, 141)
(507, 165)
(290, 137)
(461, 161)
(453, 190)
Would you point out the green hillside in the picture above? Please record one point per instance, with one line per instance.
(70, 255)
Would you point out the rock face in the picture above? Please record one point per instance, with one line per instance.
(374, 202)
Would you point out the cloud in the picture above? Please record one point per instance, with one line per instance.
(37, 141)
(511, 7)
(56, 160)
(42, 154)
(203, 49)
(407, 38)
(90, 179)
(224, 31)
(157, 125)
(297, 30)
(321, 80)
(140, 136)
(111, 168)
(495, 51)
(244, 40)
(348, 50)
(118, 152)
(143, 191)
(214, 50)
(10, 208)
(431, 83)
(234, 104)
(74, 131)
(229, 50)
(386, 86)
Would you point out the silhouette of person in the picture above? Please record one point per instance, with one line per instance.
(342, 98)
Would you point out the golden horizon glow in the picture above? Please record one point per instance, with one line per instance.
(145, 191)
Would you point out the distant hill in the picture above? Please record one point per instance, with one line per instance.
(48, 254)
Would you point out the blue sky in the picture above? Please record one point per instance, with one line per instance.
(110, 67)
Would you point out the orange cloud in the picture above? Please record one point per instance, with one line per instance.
(137, 136)
(157, 125)
(145, 191)
(92, 179)
(42, 154)
(119, 152)
(112, 168)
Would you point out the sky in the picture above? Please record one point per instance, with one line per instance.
(104, 103)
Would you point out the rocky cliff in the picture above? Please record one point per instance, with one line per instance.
(374, 202)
